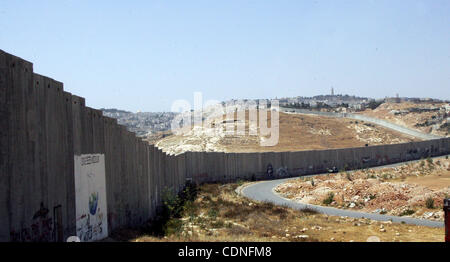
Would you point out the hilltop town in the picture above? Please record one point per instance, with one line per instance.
(423, 114)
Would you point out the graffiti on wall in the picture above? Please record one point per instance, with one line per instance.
(90, 190)
(41, 229)
(282, 172)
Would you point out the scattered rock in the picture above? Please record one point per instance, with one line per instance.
(428, 214)
(373, 239)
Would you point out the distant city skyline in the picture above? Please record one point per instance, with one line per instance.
(142, 56)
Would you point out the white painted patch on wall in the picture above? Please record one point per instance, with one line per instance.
(90, 197)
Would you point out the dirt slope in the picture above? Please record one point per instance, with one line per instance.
(297, 132)
(403, 190)
(424, 117)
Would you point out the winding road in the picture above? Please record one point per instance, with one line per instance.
(264, 191)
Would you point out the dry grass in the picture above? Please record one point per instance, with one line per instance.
(219, 214)
(296, 132)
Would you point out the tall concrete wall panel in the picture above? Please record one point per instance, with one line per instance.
(5, 136)
(37, 184)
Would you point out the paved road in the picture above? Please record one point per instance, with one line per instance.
(263, 191)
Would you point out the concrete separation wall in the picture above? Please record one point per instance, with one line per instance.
(43, 128)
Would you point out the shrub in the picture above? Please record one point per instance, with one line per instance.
(373, 104)
(171, 204)
(218, 224)
(173, 226)
(407, 212)
(429, 160)
(168, 216)
(309, 210)
(329, 199)
(212, 213)
(429, 203)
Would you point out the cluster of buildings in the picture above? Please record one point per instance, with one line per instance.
(147, 123)
(142, 123)
(327, 101)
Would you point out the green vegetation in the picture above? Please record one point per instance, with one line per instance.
(374, 104)
(407, 212)
(422, 163)
(212, 213)
(329, 199)
(429, 203)
(168, 220)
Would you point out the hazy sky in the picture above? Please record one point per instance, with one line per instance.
(143, 55)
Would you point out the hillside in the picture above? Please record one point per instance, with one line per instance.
(297, 132)
(425, 117)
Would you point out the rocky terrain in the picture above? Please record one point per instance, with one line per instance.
(429, 117)
(425, 117)
(416, 189)
(217, 213)
(296, 132)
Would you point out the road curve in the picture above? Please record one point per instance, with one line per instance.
(264, 191)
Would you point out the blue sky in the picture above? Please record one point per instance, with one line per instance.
(143, 55)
